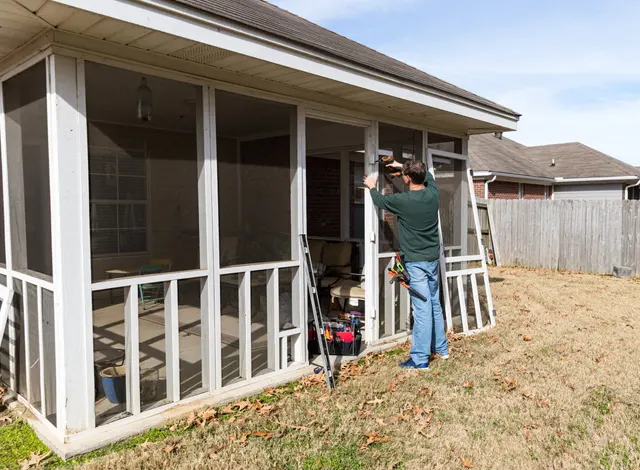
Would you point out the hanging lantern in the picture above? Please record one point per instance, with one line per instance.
(145, 99)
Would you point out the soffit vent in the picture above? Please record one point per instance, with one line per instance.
(202, 54)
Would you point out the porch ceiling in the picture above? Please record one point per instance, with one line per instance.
(23, 20)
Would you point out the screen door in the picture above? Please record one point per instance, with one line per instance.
(466, 293)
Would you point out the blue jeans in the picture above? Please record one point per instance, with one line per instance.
(428, 321)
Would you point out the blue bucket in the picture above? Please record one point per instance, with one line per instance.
(114, 383)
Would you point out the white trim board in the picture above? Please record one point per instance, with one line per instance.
(207, 29)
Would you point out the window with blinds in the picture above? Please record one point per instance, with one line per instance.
(118, 201)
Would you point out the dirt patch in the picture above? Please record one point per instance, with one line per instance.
(555, 385)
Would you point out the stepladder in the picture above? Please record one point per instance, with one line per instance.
(317, 312)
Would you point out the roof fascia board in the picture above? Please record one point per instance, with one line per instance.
(206, 29)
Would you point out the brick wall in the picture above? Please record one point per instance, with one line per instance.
(478, 187)
(533, 191)
(503, 190)
(323, 197)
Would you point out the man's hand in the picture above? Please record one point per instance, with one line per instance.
(370, 181)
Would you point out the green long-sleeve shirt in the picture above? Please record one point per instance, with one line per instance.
(417, 213)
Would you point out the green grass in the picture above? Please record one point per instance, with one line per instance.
(17, 441)
(340, 457)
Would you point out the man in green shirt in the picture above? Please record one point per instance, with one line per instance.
(417, 213)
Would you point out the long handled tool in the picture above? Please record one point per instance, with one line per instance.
(401, 276)
(317, 313)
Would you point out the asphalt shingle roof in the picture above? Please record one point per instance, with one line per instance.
(265, 17)
(488, 153)
(576, 160)
(572, 160)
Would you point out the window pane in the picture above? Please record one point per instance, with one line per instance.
(28, 160)
(132, 216)
(132, 164)
(104, 216)
(104, 242)
(132, 188)
(103, 187)
(102, 161)
(255, 179)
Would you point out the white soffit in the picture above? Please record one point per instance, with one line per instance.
(172, 23)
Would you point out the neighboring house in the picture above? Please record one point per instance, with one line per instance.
(505, 169)
(155, 156)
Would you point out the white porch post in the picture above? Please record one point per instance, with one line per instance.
(371, 224)
(69, 168)
(298, 163)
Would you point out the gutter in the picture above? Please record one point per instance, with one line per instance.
(557, 180)
(595, 179)
(486, 186)
(626, 190)
(500, 174)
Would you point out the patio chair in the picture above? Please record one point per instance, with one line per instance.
(336, 258)
(151, 294)
(165, 262)
(352, 286)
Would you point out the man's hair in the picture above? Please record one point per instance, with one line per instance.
(415, 170)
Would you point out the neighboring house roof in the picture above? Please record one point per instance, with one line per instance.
(572, 160)
(265, 17)
(489, 153)
(576, 160)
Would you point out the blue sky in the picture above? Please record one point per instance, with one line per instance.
(570, 67)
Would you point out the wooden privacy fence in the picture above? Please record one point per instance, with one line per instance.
(587, 236)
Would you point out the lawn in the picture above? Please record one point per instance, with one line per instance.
(555, 385)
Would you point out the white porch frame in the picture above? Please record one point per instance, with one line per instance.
(72, 286)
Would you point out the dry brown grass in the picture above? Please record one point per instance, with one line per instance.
(566, 397)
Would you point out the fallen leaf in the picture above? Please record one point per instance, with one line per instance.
(527, 338)
(34, 460)
(466, 463)
(232, 419)
(427, 392)
(262, 434)
(191, 419)
(241, 405)
(228, 410)
(493, 340)
(542, 404)
(468, 384)
(527, 394)
(377, 401)
(374, 438)
(509, 384)
(170, 448)
(435, 372)
(209, 414)
(497, 372)
(380, 422)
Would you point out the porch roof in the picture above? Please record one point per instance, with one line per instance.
(269, 18)
(261, 46)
